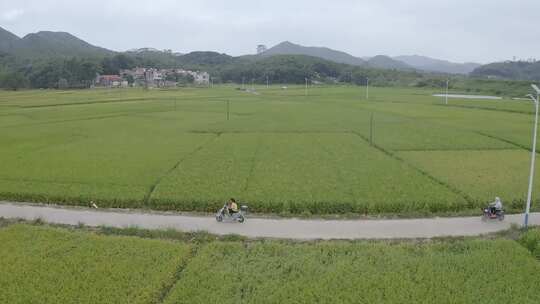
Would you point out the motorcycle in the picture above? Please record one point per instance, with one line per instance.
(489, 215)
(239, 216)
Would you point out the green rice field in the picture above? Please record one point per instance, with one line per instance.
(43, 264)
(280, 151)
(47, 265)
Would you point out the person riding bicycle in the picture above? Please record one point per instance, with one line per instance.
(232, 207)
(496, 206)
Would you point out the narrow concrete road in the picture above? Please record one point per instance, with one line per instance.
(266, 228)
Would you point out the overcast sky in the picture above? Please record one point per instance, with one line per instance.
(459, 30)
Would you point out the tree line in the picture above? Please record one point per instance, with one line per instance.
(81, 72)
(62, 73)
(57, 73)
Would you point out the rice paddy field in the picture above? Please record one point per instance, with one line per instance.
(44, 264)
(49, 265)
(402, 151)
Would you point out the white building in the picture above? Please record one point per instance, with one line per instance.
(201, 77)
(152, 77)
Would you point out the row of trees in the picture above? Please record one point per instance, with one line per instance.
(295, 69)
(514, 70)
(60, 73)
(81, 72)
(73, 73)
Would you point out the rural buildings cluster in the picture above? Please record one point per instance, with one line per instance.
(152, 77)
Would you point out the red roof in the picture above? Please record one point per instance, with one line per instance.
(110, 77)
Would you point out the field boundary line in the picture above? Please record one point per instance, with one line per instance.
(267, 132)
(122, 114)
(166, 290)
(25, 115)
(160, 178)
(70, 182)
(466, 129)
(457, 150)
(51, 122)
(453, 106)
(105, 101)
(520, 146)
(70, 140)
(452, 189)
(485, 109)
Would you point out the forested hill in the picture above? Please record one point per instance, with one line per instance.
(380, 61)
(8, 41)
(514, 70)
(42, 59)
(289, 48)
(437, 65)
(47, 44)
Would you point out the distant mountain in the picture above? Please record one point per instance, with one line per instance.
(204, 58)
(289, 48)
(7, 41)
(385, 62)
(150, 57)
(437, 65)
(47, 44)
(380, 62)
(282, 69)
(513, 70)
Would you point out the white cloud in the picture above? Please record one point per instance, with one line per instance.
(459, 30)
(11, 15)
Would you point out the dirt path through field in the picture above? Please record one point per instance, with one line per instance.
(266, 228)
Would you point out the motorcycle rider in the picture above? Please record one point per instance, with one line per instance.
(496, 206)
(232, 207)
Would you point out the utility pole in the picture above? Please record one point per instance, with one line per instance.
(533, 155)
(243, 78)
(446, 99)
(367, 88)
(267, 82)
(228, 109)
(306, 87)
(371, 130)
(146, 79)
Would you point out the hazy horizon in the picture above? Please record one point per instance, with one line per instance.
(485, 32)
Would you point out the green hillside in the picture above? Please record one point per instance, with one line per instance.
(8, 41)
(514, 70)
(46, 44)
(289, 48)
(385, 62)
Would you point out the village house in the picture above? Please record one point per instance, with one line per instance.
(202, 78)
(151, 77)
(111, 81)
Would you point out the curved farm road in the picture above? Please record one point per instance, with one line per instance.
(266, 228)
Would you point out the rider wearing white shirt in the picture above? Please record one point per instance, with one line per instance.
(496, 205)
